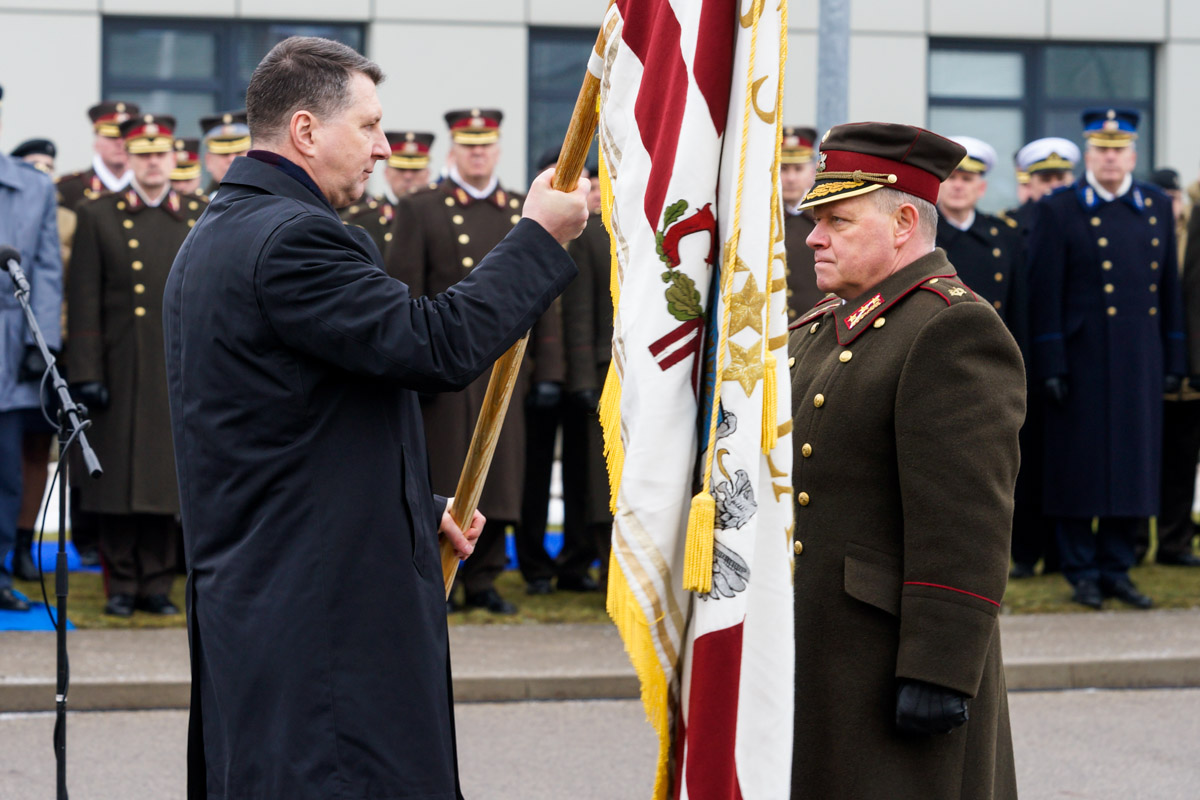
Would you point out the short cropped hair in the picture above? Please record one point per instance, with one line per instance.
(888, 201)
(302, 73)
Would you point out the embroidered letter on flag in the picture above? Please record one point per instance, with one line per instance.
(696, 408)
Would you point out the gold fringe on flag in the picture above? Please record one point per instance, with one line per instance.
(610, 396)
(770, 419)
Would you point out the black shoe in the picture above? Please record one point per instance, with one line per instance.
(24, 566)
(492, 601)
(539, 586)
(578, 583)
(156, 604)
(1020, 570)
(10, 602)
(89, 557)
(119, 605)
(1127, 593)
(1087, 593)
(1181, 560)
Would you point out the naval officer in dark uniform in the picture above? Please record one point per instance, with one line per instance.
(985, 250)
(908, 392)
(1108, 340)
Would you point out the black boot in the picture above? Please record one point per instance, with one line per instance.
(24, 567)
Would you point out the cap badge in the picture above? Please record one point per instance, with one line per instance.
(121, 107)
(152, 130)
(1111, 125)
(148, 118)
(408, 137)
(227, 118)
(410, 147)
(1112, 114)
(821, 162)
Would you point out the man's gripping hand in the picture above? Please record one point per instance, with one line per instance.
(924, 709)
(563, 214)
(463, 542)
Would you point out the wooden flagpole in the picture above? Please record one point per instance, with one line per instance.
(504, 374)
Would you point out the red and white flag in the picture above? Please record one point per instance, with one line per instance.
(696, 406)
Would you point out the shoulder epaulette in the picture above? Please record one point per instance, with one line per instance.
(822, 308)
(1006, 219)
(952, 290)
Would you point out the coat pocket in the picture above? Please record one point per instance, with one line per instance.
(873, 577)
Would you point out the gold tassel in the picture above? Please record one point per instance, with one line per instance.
(610, 424)
(770, 414)
(698, 552)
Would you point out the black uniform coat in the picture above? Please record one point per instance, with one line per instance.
(987, 257)
(1107, 315)
(802, 291)
(123, 251)
(317, 612)
(906, 406)
(373, 215)
(440, 235)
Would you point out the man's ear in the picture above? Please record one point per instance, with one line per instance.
(302, 129)
(904, 223)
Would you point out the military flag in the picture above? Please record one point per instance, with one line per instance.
(695, 408)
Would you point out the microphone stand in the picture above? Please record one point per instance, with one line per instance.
(72, 422)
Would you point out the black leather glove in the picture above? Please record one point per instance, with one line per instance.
(1056, 389)
(923, 709)
(586, 399)
(1172, 384)
(544, 396)
(92, 394)
(32, 366)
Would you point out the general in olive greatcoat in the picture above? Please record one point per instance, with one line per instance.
(907, 402)
(123, 251)
(317, 610)
(440, 235)
(802, 291)
(373, 215)
(1107, 316)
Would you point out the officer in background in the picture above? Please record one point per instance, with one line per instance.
(27, 223)
(226, 136)
(185, 178)
(38, 152)
(408, 166)
(110, 163)
(440, 234)
(797, 171)
(1050, 163)
(1108, 340)
(124, 247)
(1024, 193)
(985, 250)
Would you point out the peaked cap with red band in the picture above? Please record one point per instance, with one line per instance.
(797, 145)
(410, 149)
(860, 157)
(149, 133)
(475, 125)
(108, 115)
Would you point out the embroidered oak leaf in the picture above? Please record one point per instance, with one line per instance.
(683, 300)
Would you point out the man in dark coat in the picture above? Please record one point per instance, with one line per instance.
(316, 605)
(797, 170)
(110, 163)
(124, 247)
(440, 235)
(1107, 342)
(908, 393)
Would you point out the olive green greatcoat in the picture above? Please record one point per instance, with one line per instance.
(373, 215)
(906, 406)
(122, 253)
(439, 235)
(802, 291)
(587, 312)
(76, 187)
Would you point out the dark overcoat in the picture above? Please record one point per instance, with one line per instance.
(1107, 315)
(987, 257)
(906, 406)
(122, 254)
(440, 235)
(316, 606)
(375, 216)
(802, 291)
(76, 187)
(587, 315)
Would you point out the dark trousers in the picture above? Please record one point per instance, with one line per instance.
(541, 431)
(1104, 556)
(12, 431)
(1033, 533)
(580, 540)
(1181, 448)
(139, 553)
(479, 572)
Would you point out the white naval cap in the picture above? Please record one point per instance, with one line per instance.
(1049, 153)
(980, 156)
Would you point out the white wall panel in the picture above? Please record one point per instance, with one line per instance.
(1184, 19)
(800, 80)
(473, 11)
(157, 8)
(582, 13)
(340, 10)
(1144, 20)
(890, 16)
(49, 5)
(1025, 18)
(1177, 144)
(887, 78)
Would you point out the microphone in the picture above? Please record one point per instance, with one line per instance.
(10, 262)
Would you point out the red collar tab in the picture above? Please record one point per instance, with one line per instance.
(862, 311)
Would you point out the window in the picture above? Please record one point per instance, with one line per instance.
(1008, 94)
(558, 60)
(193, 68)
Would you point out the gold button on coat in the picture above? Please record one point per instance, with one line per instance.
(845, 356)
(133, 243)
(814, 327)
(463, 238)
(1106, 264)
(139, 288)
(141, 312)
(514, 219)
(128, 224)
(996, 252)
(1153, 265)
(1102, 241)
(1153, 311)
(879, 322)
(457, 218)
(1108, 287)
(1112, 311)
(468, 262)
(806, 450)
(802, 498)
(797, 547)
(1153, 220)
(1154, 242)
(450, 201)
(137, 266)
(819, 401)
(1096, 222)
(792, 361)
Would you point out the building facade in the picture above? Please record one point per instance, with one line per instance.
(1004, 72)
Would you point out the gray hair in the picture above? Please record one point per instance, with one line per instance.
(888, 202)
(302, 73)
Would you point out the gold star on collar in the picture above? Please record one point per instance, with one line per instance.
(745, 366)
(746, 307)
(956, 291)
